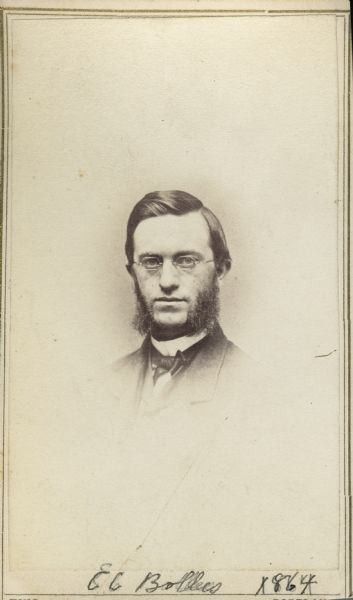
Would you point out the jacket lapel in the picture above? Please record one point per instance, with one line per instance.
(199, 381)
(132, 371)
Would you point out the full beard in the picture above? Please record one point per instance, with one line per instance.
(203, 316)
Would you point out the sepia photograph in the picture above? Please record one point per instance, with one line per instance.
(181, 258)
(175, 325)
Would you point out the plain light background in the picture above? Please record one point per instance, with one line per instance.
(234, 114)
(241, 112)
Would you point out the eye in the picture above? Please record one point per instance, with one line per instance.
(186, 262)
(151, 262)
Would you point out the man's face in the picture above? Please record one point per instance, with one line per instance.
(172, 294)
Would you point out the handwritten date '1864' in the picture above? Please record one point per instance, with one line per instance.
(296, 584)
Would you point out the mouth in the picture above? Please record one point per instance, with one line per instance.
(169, 303)
(169, 299)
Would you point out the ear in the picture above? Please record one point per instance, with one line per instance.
(223, 267)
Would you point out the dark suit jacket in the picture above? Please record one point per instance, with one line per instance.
(177, 462)
(202, 483)
(217, 365)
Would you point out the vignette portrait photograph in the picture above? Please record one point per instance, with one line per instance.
(175, 298)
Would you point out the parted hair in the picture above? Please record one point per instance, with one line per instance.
(175, 202)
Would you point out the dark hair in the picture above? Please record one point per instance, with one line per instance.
(175, 202)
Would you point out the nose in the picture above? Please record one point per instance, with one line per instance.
(169, 277)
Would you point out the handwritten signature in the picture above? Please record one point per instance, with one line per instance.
(196, 581)
(191, 581)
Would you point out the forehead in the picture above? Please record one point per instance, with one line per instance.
(169, 234)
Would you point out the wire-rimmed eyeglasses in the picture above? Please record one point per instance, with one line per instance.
(184, 263)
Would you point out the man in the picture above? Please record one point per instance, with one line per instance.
(177, 257)
(194, 427)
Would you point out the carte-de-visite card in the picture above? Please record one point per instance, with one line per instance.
(176, 298)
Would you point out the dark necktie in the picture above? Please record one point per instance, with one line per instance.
(166, 364)
(174, 364)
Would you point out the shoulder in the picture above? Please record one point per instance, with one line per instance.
(131, 360)
(235, 357)
(230, 351)
(234, 351)
(128, 360)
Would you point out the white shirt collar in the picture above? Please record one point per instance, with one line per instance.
(171, 347)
